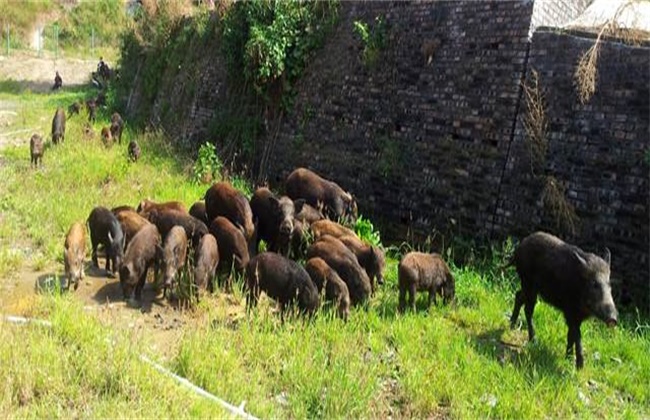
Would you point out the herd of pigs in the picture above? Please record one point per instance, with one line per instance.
(221, 236)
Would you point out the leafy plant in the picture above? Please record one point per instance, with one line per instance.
(373, 38)
(207, 166)
(366, 231)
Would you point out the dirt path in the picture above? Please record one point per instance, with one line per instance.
(37, 74)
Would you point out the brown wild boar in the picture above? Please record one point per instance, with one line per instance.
(58, 126)
(74, 254)
(131, 222)
(345, 263)
(371, 258)
(74, 108)
(117, 125)
(36, 149)
(422, 272)
(281, 279)
(337, 204)
(274, 218)
(166, 220)
(147, 206)
(105, 230)
(567, 278)
(328, 227)
(134, 151)
(107, 137)
(308, 214)
(233, 250)
(206, 261)
(141, 254)
(330, 285)
(174, 254)
(222, 199)
(198, 210)
(91, 106)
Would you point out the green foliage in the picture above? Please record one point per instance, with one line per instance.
(107, 18)
(373, 39)
(366, 231)
(270, 41)
(207, 167)
(21, 16)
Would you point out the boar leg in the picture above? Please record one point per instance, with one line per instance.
(140, 285)
(94, 253)
(519, 300)
(574, 339)
(412, 291)
(529, 308)
(432, 296)
(402, 298)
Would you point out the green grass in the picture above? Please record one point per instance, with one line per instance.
(441, 362)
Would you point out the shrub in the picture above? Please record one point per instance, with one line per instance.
(208, 166)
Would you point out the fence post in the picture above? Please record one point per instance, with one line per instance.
(7, 40)
(92, 41)
(56, 38)
(40, 41)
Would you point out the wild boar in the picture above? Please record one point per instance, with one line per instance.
(420, 272)
(300, 240)
(174, 254)
(330, 285)
(281, 279)
(105, 230)
(206, 261)
(91, 106)
(345, 263)
(134, 151)
(74, 254)
(328, 227)
(117, 125)
(308, 214)
(147, 206)
(36, 149)
(166, 220)
(74, 108)
(371, 258)
(141, 254)
(198, 210)
(274, 219)
(131, 222)
(233, 250)
(58, 126)
(222, 199)
(337, 203)
(107, 137)
(118, 209)
(567, 278)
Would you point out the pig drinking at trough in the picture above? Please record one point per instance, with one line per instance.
(117, 125)
(233, 250)
(420, 272)
(134, 151)
(36, 149)
(74, 254)
(222, 199)
(328, 281)
(281, 279)
(198, 210)
(274, 218)
(105, 229)
(566, 277)
(371, 258)
(58, 126)
(206, 260)
(141, 254)
(174, 253)
(345, 263)
(337, 203)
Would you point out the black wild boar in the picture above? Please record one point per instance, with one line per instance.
(166, 220)
(36, 149)
(131, 222)
(58, 126)
(74, 108)
(141, 254)
(308, 214)
(174, 254)
(281, 279)
(107, 137)
(345, 263)
(566, 277)
(420, 272)
(222, 199)
(134, 151)
(74, 254)
(328, 227)
(91, 105)
(105, 229)
(198, 210)
(371, 258)
(206, 261)
(328, 281)
(147, 206)
(233, 250)
(117, 125)
(274, 218)
(337, 204)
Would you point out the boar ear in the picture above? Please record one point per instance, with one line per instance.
(275, 203)
(297, 204)
(608, 256)
(579, 257)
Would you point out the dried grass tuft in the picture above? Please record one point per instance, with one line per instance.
(535, 120)
(558, 207)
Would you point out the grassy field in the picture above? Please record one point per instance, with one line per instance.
(460, 361)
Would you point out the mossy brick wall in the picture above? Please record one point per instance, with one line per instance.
(598, 152)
